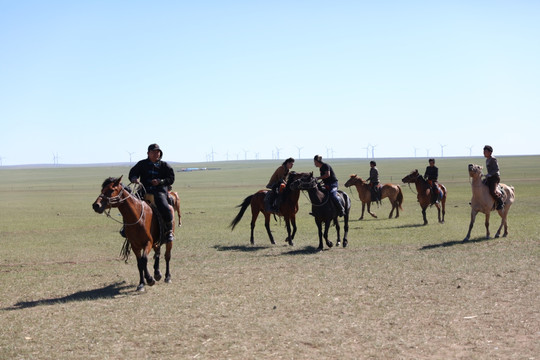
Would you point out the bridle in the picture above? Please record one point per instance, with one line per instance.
(312, 185)
(115, 201)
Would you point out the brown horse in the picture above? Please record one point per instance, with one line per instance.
(141, 227)
(483, 202)
(287, 209)
(390, 191)
(176, 205)
(423, 190)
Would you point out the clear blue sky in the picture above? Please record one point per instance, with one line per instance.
(98, 81)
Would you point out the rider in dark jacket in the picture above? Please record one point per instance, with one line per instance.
(156, 176)
(431, 175)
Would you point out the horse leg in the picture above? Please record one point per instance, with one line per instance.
(149, 279)
(290, 233)
(443, 204)
(254, 215)
(157, 254)
(424, 214)
(345, 229)
(326, 229)
(473, 217)
(319, 228)
(393, 207)
(487, 225)
(140, 265)
(267, 226)
(363, 207)
(369, 210)
(338, 242)
(168, 248)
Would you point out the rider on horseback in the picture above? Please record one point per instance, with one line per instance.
(277, 183)
(431, 175)
(156, 175)
(493, 176)
(374, 181)
(330, 181)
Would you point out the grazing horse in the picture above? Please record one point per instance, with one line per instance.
(482, 201)
(423, 190)
(288, 209)
(391, 191)
(324, 210)
(141, 227)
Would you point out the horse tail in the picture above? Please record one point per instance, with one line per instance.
(399, 198)
(243, 206)
(125, 251)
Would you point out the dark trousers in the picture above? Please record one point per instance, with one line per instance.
(161, 199)
(492, 183)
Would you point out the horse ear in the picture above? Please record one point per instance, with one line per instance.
(118, 180)
(353, 175)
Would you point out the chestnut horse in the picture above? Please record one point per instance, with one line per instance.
(287, 209)
(423, 190)
(141, 227)
(176, 205)
(483, 202)
(324, 210)
(390, 191)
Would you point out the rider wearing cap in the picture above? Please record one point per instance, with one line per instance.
(493, 175)
(156, 176)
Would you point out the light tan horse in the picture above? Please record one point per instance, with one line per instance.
(483, 202)
(176, 205)
(390, 191)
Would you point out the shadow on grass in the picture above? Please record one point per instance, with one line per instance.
(307, 250)
(245, 248)
(453, 243)
(107, 292)
(407, 226)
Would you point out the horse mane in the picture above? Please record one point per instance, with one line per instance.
(108, 181)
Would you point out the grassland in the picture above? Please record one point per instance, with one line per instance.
(400, 290)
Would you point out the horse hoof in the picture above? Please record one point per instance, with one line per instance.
(151, 282)
(168, 279)
(345, 243)
(157, 275)
(329, 244)
(338, 243)
(140, 288)
(291, 243)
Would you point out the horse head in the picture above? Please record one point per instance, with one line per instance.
(304, 182)
(353, 180)
(110, 193)
(411, 178)
(475, 170)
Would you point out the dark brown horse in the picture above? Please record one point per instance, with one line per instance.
(423, 190)
(141, 227)
(287, 209)
(390, 191)
(324, 210)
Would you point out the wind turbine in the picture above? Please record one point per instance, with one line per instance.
(130, 153)
(1, 158)
(373, 151)
(415, 151)
(367, 151)
(212, 153)
(470, 150)
(245, 154)
(299, 148)
(442, 149)
(427, 152)
(55, 158)
(277, 152)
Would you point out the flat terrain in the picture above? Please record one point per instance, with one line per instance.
(400, 290)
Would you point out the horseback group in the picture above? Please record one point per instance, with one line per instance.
(148, 216)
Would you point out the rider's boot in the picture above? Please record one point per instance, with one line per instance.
(500, 204)
(123, 232)
(169, 231)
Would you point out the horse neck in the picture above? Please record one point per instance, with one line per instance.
(421, 184)
(129, 207)
(316, 196)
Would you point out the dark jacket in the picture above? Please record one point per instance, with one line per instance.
(432, 173)
(146, 171)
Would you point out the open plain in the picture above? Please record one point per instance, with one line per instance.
(399, 291)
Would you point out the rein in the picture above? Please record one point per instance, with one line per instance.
(312, 204)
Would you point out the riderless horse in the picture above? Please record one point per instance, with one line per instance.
(141, 226)
(391, 191)
(288, 209)
(324, 210)
(483, 202)
(423, 190)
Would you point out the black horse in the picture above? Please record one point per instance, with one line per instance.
(323, 208)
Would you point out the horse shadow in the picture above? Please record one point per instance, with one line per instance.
(453, 243)
(243, 248)
(406, 226)
(307, 250)
(106, 292)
